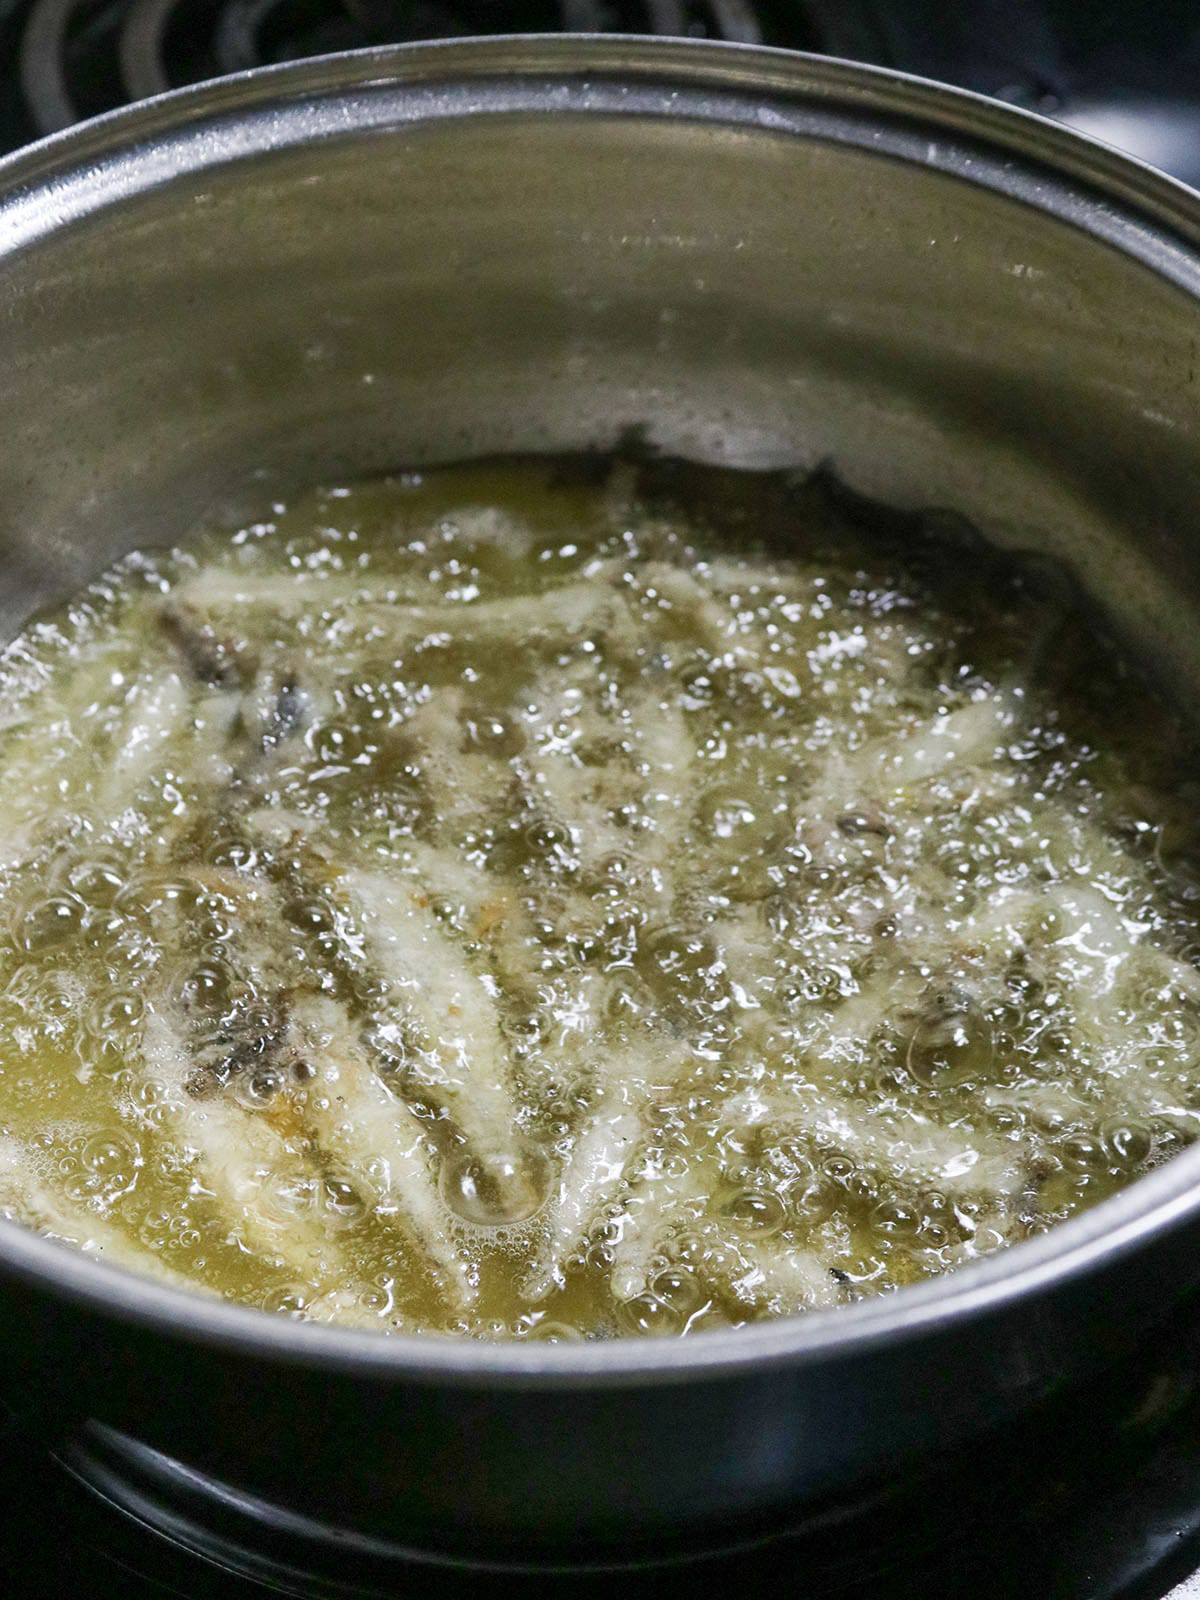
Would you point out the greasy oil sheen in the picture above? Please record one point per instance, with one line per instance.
(566, 899)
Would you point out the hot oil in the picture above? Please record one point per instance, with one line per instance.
(535, 900)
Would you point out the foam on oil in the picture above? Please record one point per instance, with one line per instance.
(528, 901)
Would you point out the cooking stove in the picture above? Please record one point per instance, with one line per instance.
(1097, 1495)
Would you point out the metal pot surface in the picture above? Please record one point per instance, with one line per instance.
(423, 254)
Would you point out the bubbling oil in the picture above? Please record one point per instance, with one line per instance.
(535, 901)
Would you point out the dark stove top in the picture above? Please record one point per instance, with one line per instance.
(1096, 1498)
(1129, 73)
(1099, 1498)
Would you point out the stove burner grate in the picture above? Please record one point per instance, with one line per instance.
(80, 57)
(1091, 1495)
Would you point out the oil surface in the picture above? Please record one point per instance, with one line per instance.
(535, 900)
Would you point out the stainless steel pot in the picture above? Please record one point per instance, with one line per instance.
(422, 254)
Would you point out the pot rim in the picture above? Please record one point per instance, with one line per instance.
(1154, 218)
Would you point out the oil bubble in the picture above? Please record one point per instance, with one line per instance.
(256, 1088)
(647, 1314)
(676, 1286)
(342, 1205)
(551, 1332)
(894, 1215)
(755, 1212)
(206, 986)
(951, 1045)
(286, 1197)
(110, 1156)
(1083, 1152)
(117, 1015)
(1129, 1141)
(691, 1249)
(96, 879)
(292, 1300)
(494, 1188)
(681, 955)
(47, 923)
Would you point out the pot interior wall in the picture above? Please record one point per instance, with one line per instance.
(419, 290)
